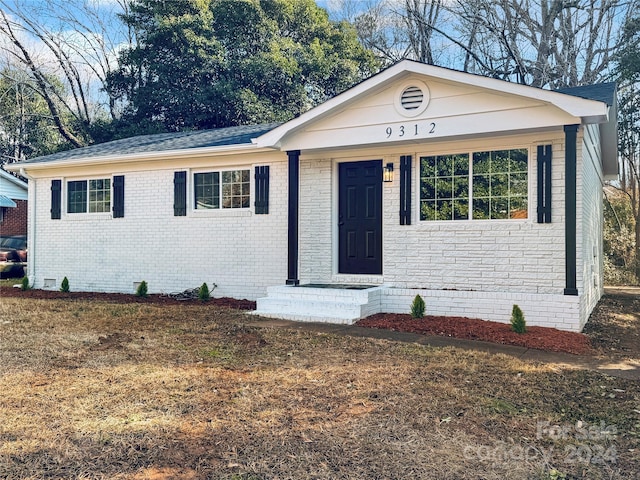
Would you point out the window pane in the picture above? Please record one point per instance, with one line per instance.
(427, 211)
(481, 162)
(444, 187)
(500, 177)
(499, 207)
(519, 160)
(518, 208)
(236, 189)
(100, 195)
(444, 210)
(480, 208)
(443, 178)
(461, 210)
(480, 186)
(77, 196)
(207, 190)
(445, 166)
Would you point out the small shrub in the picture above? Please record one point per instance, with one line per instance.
(142, 290)
(64, 286)
(518, 324)
(417, 307)
(203, 293)
(24, 285)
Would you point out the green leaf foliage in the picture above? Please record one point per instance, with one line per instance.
(64, 286)
(216, 63)
(203, 293)
(417, 307)
(518, 323)
(142, 290)
(24, 285)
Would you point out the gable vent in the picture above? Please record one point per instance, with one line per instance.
(411, 98)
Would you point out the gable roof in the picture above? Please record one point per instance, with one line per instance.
(158, 143)
(587, 109)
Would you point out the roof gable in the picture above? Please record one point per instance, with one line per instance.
(459, 104)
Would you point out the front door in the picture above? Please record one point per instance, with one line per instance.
(360, 217)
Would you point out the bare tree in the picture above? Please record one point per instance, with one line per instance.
(77, 46)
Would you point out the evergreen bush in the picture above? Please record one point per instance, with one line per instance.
(64, 286)
(142, 290)
(203, 293)
(24, 285)
(518, 323)
(417, 307)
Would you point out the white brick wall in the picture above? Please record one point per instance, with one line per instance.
(467, 268)
(239, 251)
(590, 212)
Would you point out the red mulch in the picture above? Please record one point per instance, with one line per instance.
(122, 298)
(540, 338)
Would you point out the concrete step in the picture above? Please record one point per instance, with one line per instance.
(312, 304)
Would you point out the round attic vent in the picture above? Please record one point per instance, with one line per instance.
(412, 98)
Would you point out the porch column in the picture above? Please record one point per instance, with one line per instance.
(294, 198)
(570, 162)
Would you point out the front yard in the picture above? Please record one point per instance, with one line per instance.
(97, 389)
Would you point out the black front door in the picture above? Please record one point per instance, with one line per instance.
(360, 217)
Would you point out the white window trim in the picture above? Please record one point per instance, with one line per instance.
(85, 215)
(219, 212)
(470, 151)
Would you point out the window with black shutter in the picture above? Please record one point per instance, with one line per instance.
(180, 194)
(118, 196)
(56, 199)
(544, 183)
(262, 189)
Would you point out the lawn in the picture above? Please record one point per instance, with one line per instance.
(100, 389)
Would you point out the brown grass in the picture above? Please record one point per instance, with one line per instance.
(132, 390)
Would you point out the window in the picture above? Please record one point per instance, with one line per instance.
(93, 196)
(480, 185)
(226, 189)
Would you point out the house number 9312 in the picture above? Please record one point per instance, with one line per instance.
(411, 130)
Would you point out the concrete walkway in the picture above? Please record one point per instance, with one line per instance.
(623, 369)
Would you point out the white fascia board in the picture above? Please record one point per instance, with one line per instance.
(590, 111)
(140, 157)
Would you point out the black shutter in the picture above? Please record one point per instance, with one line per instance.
(180, 194)
(544, 183)
(118, 196)
(405, 190)
(262, 190)
(56, 199)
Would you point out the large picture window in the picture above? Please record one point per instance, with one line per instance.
(478, 185)
(226, 189)
(93, 196)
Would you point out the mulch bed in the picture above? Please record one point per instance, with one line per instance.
(540, 338)
(122, 298)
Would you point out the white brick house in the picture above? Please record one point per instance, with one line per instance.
(491, 197)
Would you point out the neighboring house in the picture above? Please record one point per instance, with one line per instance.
(13, 205)
(492, 196)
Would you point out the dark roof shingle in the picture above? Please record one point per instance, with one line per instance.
(162, 142)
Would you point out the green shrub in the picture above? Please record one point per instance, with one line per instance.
(203, 293)
(417, 307)
(25, 283)
(518, 324)
(64, 286)
(142, 290)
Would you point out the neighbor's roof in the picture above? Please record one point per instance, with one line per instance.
(161, 142)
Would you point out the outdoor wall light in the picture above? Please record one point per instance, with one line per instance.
(387, 173)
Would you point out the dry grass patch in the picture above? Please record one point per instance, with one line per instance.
(102, 390)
